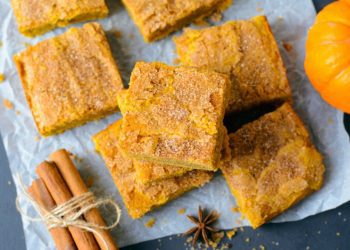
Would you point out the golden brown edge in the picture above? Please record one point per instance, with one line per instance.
(149, 38)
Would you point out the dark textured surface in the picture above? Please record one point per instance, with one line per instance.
(11, 232)
(326, 231)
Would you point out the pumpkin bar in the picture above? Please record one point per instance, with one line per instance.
(149, 172)
(245, 50)
(141, 198)
(157, 19)
(174, 115)
(70, 79)
(273, 165)
(39, 16)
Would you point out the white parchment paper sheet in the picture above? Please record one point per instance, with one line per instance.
(290, 21)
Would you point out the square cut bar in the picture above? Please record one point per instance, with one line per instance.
(35, 17)
(157, 18)
(70, 79)
(148, 172)
(174, 115)
(139, 198)
(247, 52)
(273, 165)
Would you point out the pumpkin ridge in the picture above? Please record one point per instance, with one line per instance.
(328, 92)
(334, 77)
(344, 41)
(333, 22)
(336, 10)
(315, 51)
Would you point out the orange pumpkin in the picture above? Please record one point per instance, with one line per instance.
(327, 61)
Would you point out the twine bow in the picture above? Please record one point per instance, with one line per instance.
(68, 213)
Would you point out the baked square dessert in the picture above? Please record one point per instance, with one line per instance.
(273, 165)
(174, 115)
(156, 18)
(39, 16)
(148, 172)
(141, 198)
(245, 50)
(70, 79)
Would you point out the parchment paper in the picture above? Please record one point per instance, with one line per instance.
(290, 21)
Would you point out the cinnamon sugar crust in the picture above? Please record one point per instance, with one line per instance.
(174, 115)
(273, 165)
(70, 79)
(157, 19)
(247, 52)
(141, 198)
(39, 16)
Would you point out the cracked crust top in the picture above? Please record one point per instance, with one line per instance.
(273, 165)
(247, 52)
(35, 17)
(70, 79)
(174, 115)
(158, 18)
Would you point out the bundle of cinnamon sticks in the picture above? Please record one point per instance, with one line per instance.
(59, 181)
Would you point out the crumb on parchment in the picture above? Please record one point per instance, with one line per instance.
(181, 211)
(235, 209)
(90, 181)
(2, 78)
(330, 120)
(150, 223)
(8, 104)
(118, 34)
(259, 7)
(287, 46)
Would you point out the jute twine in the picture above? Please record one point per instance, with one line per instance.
(68, 213)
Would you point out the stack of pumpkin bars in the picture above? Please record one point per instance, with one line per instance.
(172, 137)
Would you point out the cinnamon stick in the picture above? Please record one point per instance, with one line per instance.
(77, 186)
(61, 194)
(61, 236)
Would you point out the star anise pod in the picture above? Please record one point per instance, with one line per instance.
(202, 225)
